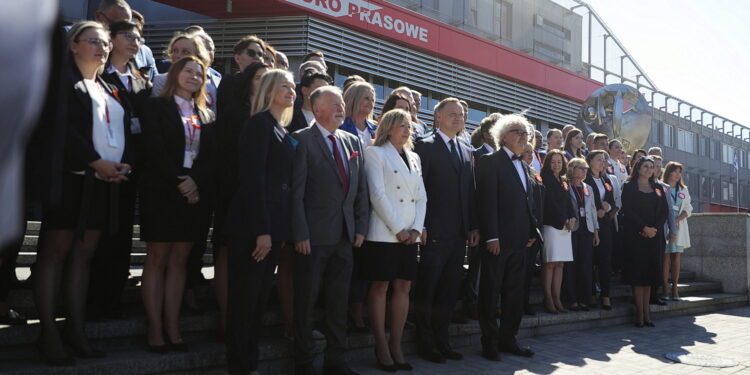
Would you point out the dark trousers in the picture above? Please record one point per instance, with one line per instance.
(470, 292)
(249, 288)
(438, 287)
(603, 256)
(110, 265)
(577, 275)
(502, 276)
(8, 256)
(327, 268)
(532, 254)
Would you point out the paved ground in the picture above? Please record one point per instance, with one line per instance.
(618, 350)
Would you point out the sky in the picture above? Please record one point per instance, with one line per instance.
(696, 50)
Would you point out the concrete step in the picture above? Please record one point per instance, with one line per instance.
(208, 357)
(33, 228)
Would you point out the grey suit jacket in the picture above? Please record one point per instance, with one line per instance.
(320, 211)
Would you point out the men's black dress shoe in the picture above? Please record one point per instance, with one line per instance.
(13, 317)
(491, 354)
(514, 349)
(451, 354)
(649, 324)
(431, 355)
(337, 370)
(307, 369)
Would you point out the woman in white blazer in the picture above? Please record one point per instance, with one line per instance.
(397, 208)
(578, 273)
(682, 210)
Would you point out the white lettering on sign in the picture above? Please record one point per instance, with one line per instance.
(364, 11)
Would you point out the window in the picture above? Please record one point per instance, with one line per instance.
(715, 188)
(727, 191)
(686, 140)
(554, 55)
(379, 84)
(668, 137)
(552, 27)
(476, 115)
(728, 154)
(705, 187)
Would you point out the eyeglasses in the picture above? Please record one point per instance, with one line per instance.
(519, 132)
(98, 43)
(255, 54)
(132, 37)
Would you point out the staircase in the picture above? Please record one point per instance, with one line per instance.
(124, 340)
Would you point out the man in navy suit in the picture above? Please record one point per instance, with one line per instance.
(447, 170)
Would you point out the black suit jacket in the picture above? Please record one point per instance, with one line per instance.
(299, 121)
(164, 148)
(505, 209)
(557, 204)
(262, 203)
(79, 146)
(450, 191)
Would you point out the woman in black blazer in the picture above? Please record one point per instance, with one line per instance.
(559, 220)
(176, 193)
(604, 193)
(234, 108)
(96, 159)
(109, 268)
(259, 215)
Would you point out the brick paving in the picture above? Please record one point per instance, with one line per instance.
(618, 350)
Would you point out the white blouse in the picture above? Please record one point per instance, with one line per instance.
(191, 124)
(108, 133)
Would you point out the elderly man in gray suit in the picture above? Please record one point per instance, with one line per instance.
(330, 208)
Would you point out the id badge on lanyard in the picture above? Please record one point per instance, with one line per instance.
(582, 211)
(190, 153)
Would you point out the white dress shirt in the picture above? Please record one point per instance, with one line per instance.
(519, 167)
(446, 139)
(125, 78)
(488, 148)
(108, 137)
(186, 108)
(342, 152)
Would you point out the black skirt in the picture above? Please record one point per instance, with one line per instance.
(68, 213)
(386, 261)
(166, 216)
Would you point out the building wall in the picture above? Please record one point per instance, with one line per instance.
(540, 28)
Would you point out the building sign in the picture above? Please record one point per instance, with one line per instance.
(383, 20)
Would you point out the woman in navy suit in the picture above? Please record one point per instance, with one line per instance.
(96, 160)
(259, 216)
(176, 191)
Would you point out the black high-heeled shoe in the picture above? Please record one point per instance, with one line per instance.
(638, 325)
(649, 324)
(382, 366)
(53, 361)
(178, 346)
(401, 365)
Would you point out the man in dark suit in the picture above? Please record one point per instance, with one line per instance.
(330, 211)
(508, 228)
(447, 170)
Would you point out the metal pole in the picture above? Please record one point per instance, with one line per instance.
(738, 181)
(589, 46)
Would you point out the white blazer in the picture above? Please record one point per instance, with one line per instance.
(398, 200)
(683, 233)
(588, 199)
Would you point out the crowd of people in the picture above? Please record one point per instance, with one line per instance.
(310, 192)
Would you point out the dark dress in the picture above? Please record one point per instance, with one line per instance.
(85, 201)
(165, 214)
(642, 263)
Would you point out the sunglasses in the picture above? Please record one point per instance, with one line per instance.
(255, 54)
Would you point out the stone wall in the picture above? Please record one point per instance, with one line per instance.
(720, 249)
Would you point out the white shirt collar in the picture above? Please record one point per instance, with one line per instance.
(446, 138)
(111, 69)
(509, 152)
(323, 130)
(186, 106)
(487, 146)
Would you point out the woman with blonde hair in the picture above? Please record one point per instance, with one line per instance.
(259, 220)
(398, 203)
(181, 45)
(682, 210)
(176, 191)
(359, 103)
(96, 158)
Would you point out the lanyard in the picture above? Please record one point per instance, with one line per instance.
(106, 102)
(674, 194)
(579, 196)
(192, 125)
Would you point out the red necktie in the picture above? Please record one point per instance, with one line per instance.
(339, 163)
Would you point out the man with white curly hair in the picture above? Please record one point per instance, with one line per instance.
(508, 227)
